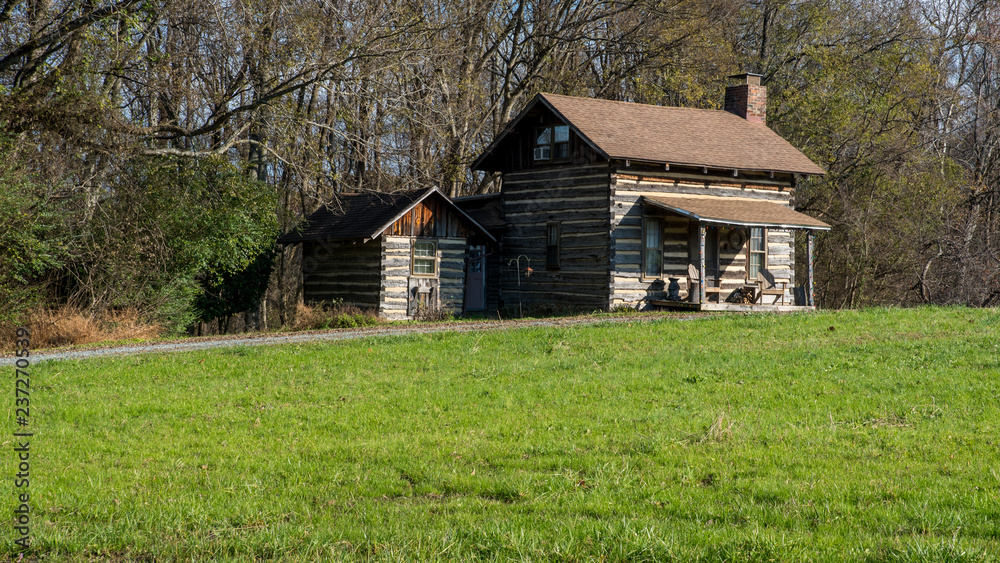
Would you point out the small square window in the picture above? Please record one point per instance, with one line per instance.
(552, 143)
(561, 133)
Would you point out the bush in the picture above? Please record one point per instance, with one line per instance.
(434, 315)
(326, 315)
(174, 229)
(30, 241)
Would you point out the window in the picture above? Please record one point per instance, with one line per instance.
(424, 261)
(552, 143)
(552, 245)
(652, 248)
(757, 252)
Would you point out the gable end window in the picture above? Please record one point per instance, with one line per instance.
(424, 259)
(552, 143)
(652, 248)
(552, 236)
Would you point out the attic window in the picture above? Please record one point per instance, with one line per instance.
(552, 143)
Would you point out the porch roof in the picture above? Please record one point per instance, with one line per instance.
(736, 211)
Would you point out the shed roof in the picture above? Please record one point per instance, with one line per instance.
(669, 135)
(363, 216)
(736, 211)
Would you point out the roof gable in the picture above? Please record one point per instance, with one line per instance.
(668, 135)
(366, 216)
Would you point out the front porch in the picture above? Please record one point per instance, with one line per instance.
(740, 255)
(730, 307)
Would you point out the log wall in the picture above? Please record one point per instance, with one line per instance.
(398, 288)
(347, 272)
(451, 273)
(576, 197)
(395, 278)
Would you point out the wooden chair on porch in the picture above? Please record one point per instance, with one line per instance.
(769, 286)
(709, 290)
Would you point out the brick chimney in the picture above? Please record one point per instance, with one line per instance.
(747, 98)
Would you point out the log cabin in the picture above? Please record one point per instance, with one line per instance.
(602, 204)
(609, 204)
(401, 254)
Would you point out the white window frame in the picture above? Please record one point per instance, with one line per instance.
(649, 223)
(423, 258)
(762, 253)
(549, 149)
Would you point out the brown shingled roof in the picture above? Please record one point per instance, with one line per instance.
(736, 211)
(672, 135)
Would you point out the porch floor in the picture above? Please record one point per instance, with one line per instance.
(731, 307)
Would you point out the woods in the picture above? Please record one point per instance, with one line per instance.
(151, 151)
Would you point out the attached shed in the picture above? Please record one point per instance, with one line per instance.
(399, 254)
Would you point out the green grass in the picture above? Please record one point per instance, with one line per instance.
(836, 436)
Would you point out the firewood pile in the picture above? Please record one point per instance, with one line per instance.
(741, 295)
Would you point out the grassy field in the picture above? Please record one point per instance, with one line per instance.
(836, 436)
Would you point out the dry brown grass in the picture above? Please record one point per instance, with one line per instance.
(720, 430)
(325, 315)
(52, 328)
(307, 318)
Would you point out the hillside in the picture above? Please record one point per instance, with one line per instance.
(835, 436)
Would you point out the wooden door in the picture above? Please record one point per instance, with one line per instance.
(475, 279)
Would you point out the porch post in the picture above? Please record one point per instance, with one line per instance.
(701, 262)
(810, 280)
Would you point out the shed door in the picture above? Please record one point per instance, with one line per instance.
(475, 279)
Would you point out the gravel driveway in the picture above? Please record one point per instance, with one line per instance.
(313, 336)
